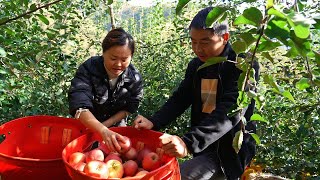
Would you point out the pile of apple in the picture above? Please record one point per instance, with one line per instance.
(129, 162)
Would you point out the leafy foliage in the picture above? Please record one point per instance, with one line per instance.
(42, 43)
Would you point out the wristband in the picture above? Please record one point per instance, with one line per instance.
(79, 111)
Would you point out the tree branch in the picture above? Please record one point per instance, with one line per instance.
(111, 16)
(29, 12)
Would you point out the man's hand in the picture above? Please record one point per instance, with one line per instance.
(173, 146)
(142, 123)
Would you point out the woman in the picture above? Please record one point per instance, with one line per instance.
(107, 88)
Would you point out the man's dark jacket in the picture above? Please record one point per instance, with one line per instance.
(213, 130)
(90, 89)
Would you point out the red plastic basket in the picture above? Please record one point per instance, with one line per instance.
(170, 170)
(32, 147)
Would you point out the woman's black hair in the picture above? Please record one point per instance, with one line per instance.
(199, 22)
(118, 37)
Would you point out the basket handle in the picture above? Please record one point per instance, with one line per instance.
(2, 138)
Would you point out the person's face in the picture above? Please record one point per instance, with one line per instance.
(117, 59)
(205, 44)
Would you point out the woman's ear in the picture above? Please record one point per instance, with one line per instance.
(226, 36)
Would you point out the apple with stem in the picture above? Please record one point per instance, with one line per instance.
(115, 168)
(151, 161)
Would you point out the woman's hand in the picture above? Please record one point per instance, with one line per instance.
(142, 123)
(112, 139)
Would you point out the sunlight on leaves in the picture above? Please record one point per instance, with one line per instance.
(303, 84)
(256, 138)
(257, 117)
(215, 15)
(252, 16)
(237, 141)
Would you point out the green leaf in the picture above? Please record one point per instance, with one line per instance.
(268, 56)
(2, 52)
(215, 15)
(317, 57)
(251, 94)
(302, 31)
(300, 24)
(241, 80)
(3, 71)
(43, 19)
(239, 46)
(288, 95)
(257, 117)
(278, 29)
(110, 2)
(293, 51)
(252, 16)
(237, 141)
(268, 46)
(269, 4)
(33, 7)
(303, 46)
(303, 84)
(248, 38)
(26, 2)
(242, 64)
(269, 80)
(212, 61)
(256, 138)
(243, 99)
(277, 13)
(317, 24)
(181, 4)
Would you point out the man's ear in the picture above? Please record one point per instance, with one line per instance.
(226, 36)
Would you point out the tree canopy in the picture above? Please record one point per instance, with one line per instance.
(43, 42)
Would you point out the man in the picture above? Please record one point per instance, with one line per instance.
(211, 91)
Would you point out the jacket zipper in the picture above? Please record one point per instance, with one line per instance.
(222, 168)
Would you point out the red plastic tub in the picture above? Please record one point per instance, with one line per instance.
(32, 147)
(169, 170)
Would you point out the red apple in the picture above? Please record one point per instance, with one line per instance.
(115, 156)
(80, 166)
(96, 169)
(95, 154)
(151, 161)
(115, 168)
(76, 158)
(130, 168)
(142, 154)
(131, 154)
(125, 145)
